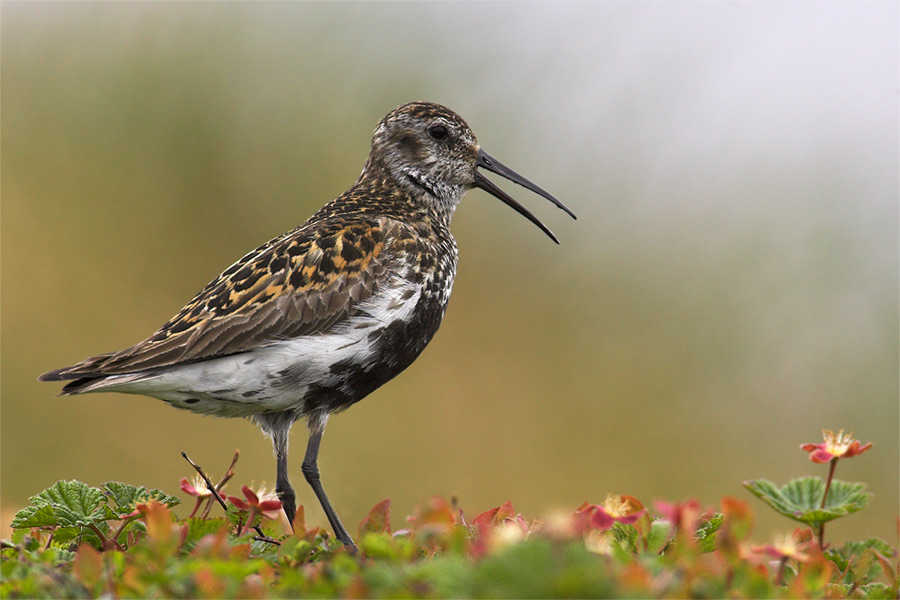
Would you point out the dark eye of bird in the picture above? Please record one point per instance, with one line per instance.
(438, 132)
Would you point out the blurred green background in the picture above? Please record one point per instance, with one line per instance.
(730, 287)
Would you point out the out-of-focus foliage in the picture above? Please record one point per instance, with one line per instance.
(614, 549)
(439, 553)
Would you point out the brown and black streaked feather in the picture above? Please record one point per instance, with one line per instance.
(300, 283)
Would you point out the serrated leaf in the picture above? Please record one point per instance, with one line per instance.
(74, 494)
(63, 536)
(199, 528)
(18, 536)
(74, 504)
(265, 550)
(801, 498)
(41, 515)
(851, 551)
(875, 591)
(706, 532)
(626, 535)
(127, 497)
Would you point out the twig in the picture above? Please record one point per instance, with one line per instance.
(209, 484)
(225, 478)
(262, 537)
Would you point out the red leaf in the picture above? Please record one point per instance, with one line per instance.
(299, 522)
(88, 566)
(486, 519)
(378, 520)
(505, 511)
(438, 511)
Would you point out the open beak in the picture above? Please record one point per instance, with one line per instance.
(491, 164)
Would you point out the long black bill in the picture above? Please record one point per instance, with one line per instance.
(491, 164)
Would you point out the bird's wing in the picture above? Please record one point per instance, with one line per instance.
(298, 284)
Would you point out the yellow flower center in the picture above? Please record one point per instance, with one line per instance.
(200, 486)
(615, 506)
(837, 444)
(264, 493)
(788, 545)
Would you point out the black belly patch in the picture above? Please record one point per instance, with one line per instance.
(396, 346)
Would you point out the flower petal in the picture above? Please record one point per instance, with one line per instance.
(601, 520)
(187, 488)
(821, 456)
(239, 503)
(250, 495)
(628, 519)
(855, 449)
(270, 505)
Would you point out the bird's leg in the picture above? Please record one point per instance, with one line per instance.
(283, 483)
(310, 470)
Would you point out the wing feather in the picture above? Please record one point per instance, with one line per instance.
(301, 283)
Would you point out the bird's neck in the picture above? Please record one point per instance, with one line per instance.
(407, 195)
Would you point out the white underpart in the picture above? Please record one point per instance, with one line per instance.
(242, 385)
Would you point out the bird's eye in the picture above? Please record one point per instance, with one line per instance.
(438, 132)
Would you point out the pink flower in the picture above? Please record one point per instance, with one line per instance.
(198, 489)
(683, 516)
(796, 545)
(835, 446)
(615, 509)
(267, 506)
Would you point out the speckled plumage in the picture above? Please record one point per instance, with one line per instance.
(317, 318)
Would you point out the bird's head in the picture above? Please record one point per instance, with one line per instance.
(432, 152)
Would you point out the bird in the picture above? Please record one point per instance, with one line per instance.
(314, 320)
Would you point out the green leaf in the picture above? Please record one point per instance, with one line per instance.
(127, 497)
(63, 536)
(658, 536)
(626, 535)
(877, 590)
(863, 561)
(801, 498)
(200, 528)
(41, 515)
(64, 504)
(841, 556)
(706, 532)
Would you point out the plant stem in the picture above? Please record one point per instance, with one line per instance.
(831, 467)
(105, 541)
(828, 482)
(779, 579)
(118, 532)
